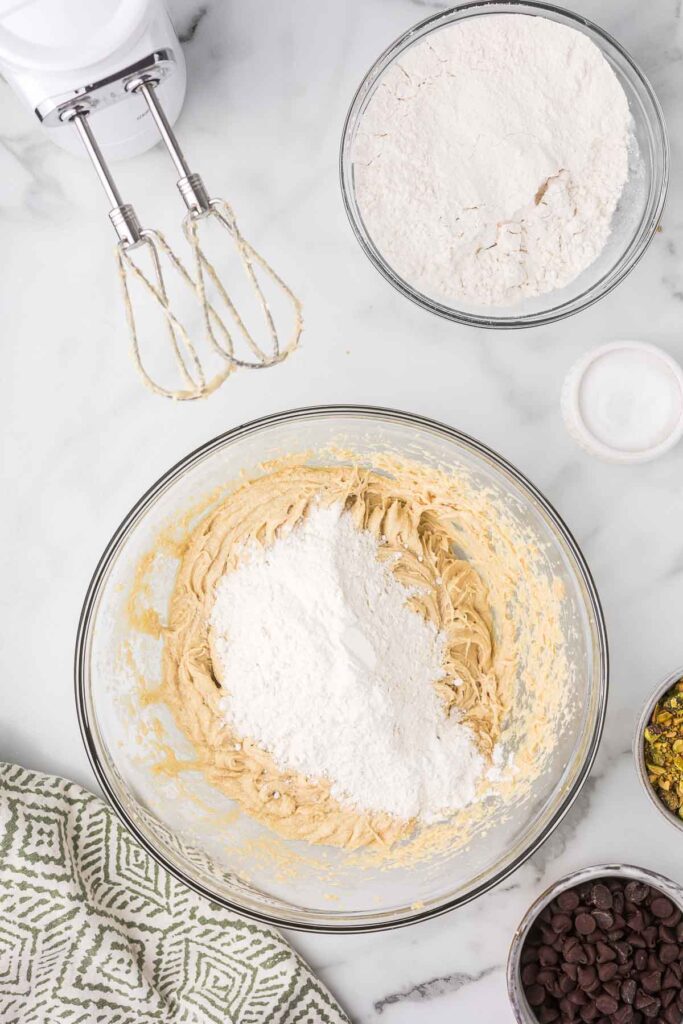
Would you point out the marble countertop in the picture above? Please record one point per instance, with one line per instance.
(269, 85)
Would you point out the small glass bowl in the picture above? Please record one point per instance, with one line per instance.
(639, 748)
(521, 1009)
(634, 222)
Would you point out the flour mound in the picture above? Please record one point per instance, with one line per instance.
(491, 157)
(326, 666)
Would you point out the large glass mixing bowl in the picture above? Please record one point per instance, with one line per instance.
(196, 832)
(637, 214)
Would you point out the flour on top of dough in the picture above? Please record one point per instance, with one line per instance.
(491, 157)
(326, 666)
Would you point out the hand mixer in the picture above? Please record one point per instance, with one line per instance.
(105, 63)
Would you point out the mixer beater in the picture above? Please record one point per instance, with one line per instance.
(132, 238)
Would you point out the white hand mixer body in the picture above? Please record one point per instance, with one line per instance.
(76, 63)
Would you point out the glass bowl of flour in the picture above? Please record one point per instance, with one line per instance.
(196, 789)
(504, 164)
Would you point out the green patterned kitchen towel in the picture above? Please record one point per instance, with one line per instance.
(93, 931)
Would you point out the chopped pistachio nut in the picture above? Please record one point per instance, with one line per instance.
(663, 741)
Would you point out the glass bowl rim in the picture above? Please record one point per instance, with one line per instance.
(639, 749)
(176, 471)
(620, 269)
(518, 1003)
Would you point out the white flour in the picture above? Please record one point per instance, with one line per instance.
(325, 666)
(491, 157)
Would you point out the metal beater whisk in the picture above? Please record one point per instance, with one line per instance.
(222, 329)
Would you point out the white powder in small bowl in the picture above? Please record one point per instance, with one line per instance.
(490, 159)
(624, 402)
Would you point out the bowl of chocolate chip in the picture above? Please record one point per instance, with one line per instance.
(602, 946)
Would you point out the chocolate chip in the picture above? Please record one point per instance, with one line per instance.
(568, 1010)
(561, 923)
(605, 953)
(672, 1015)
(624, 951)
(565, 985)
(585, 924)
(636, 892)
(671, 979)
(635, 921)
(652, 981)
(568, 900)
(624, 1015)
(529, 974)
(607, 971)
(547, 956)
(575, 954)
(613, 988)
(667, 995)
(528, 956)
(606, 1004)
(547, 934)
(604, 919)
(661, 907)
(642, 1000)
(628, 990)
(601, 897)
(535, 995)
(640, 959)
(547, 979)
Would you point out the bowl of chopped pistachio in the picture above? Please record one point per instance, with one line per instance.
(659, 748)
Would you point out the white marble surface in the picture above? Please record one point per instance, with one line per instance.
(81, 439)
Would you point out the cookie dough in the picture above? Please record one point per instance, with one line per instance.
(421, 530)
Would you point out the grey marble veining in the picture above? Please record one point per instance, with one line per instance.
(269, 85)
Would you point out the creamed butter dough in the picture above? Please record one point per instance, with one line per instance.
(423, 522)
